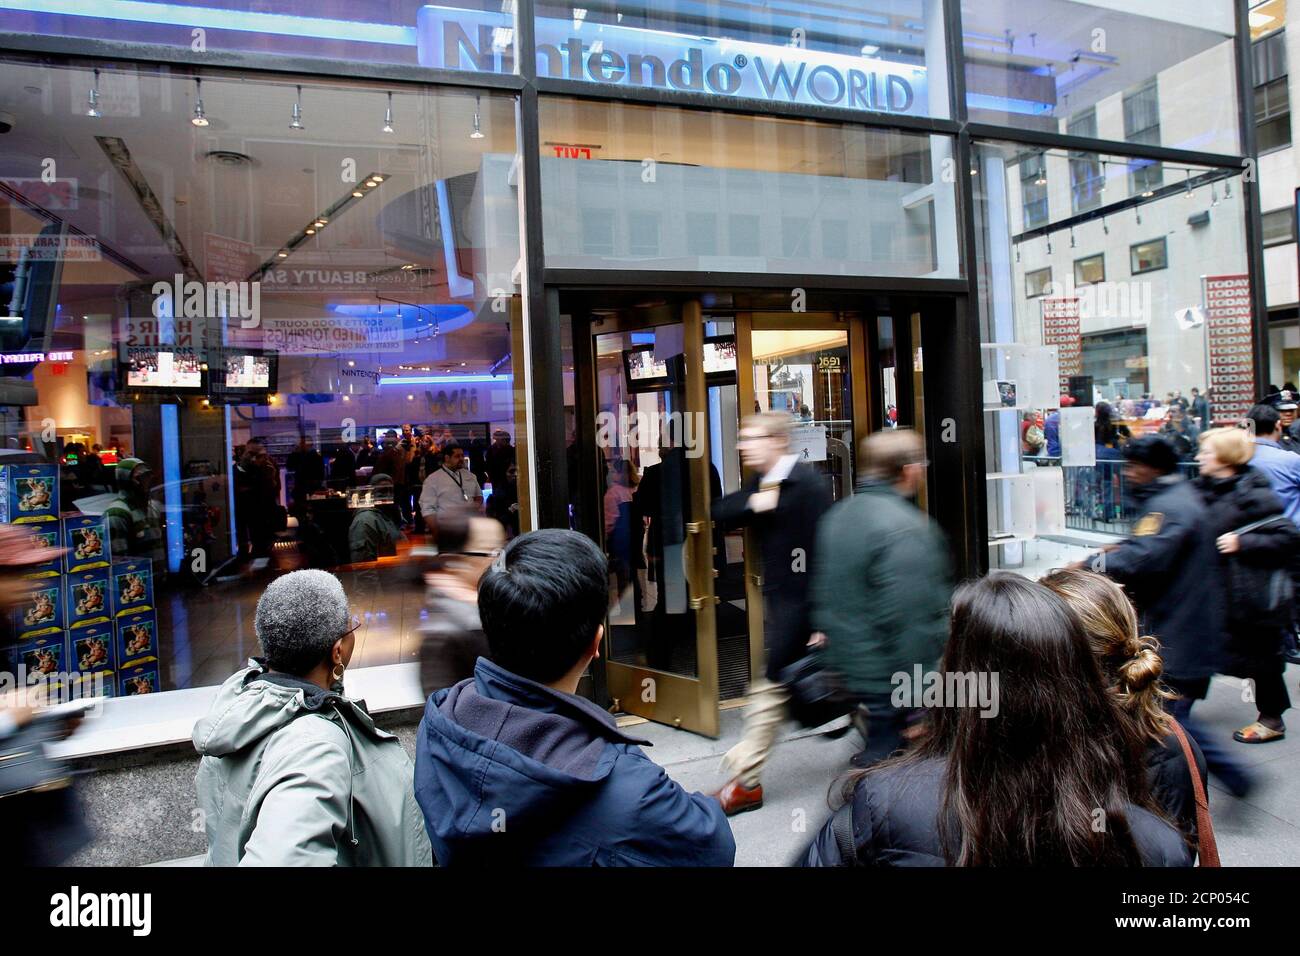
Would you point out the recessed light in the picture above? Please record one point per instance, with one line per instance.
(357, 194)
(378, 179)
(283, 255)
(311, 232)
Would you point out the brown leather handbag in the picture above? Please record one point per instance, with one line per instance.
(1207, 850)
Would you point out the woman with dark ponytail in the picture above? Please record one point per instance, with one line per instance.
(1040, 774)
(1131, 667)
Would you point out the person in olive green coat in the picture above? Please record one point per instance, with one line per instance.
(881, 587)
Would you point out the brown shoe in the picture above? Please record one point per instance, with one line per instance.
(735, 797)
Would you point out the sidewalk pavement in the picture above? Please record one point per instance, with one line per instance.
(1263, 829)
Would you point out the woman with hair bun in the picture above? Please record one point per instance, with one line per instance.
(1131, 666)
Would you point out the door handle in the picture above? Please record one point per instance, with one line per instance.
(693, 528)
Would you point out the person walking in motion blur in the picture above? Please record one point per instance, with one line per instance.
(782, 502)
(881, 586)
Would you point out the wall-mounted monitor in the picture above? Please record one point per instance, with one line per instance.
(246, 373)
(644, 372)
(720, 359)
(163, 369)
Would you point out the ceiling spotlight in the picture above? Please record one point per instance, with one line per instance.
(282, 254)
(357, 194)
(388, 116)
(1148, 194)
(198, 119)
(371, 184)
(92, 102)
(378, 179)
(296, 121)
(1041, 180)
(478, 129)
(1188, 180)
(310, 232)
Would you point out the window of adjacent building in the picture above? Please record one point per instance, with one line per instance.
(1148, 256)
(1116, 362)
(1090, 269)
(598, 232)
(1038, 282)
(1272, 100)
(1086, 180)
(743, 235)
(1279, 226)
(643, 233)
(701, 234)
(835, 239)
(1033, 188)
(1142, 125)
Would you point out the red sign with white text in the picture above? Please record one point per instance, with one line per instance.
(1229, 345)
(1061, 328)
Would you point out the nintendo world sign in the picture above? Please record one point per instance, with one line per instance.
(628, 56)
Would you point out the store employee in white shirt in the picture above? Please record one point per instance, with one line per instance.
(451, 484)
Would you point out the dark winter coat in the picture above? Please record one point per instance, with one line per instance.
(1170, 568)
(509, 772)
(882, 583)
(895, 821)
(1254, 629)
(1170, 778)
(786, 536)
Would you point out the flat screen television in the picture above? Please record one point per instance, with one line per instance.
(163, 369)
(243, 372)
(720, 359)
(644, 372)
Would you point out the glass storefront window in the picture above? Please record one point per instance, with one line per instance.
(457, 34)
(884, 56)
(1161, 344)
(220, 293)
(630, 186)
(1163, 76)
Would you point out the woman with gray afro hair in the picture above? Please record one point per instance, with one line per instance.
(294, 773)
(300, 618)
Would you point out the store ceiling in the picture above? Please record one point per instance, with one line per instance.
(247, 177)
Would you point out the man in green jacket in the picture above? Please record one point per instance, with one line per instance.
(881, 587)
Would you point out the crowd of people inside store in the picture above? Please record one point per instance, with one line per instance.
(358, 500)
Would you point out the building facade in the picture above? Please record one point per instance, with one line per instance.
(596, 236)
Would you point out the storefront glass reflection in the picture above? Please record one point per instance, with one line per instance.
(658, 188)
(1159, 341)
(222, 294)
(1158, 74)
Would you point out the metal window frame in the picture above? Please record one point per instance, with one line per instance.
(964, 457)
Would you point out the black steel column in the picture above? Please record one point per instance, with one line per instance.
(953, 374)
(1250, 196)
(545, 365)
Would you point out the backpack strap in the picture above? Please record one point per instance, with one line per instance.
(1207, 850)
(842, 828)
